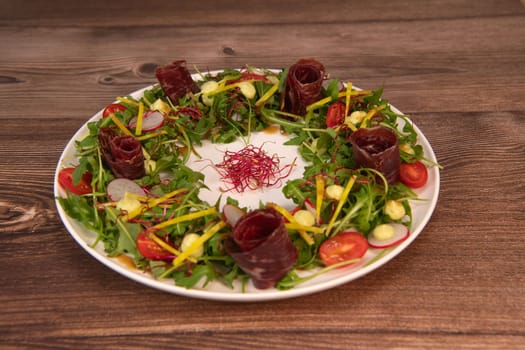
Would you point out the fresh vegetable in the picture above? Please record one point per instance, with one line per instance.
(150, 249)
(232, 214)
(113, 108)
(414, 175)
(388, 235)
(117, 188)
(342, 247)
(335, 115)
(151, 120)
(67, 182)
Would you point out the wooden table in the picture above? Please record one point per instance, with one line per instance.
(456, 67)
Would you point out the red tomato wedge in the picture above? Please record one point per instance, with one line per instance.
(414, 175)
(65, 180)
(335, 115)
(113, 108)
(342, 247)
(150, 249)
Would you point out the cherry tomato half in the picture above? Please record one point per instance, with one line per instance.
(65, 179)
(335, 115)
(342, 247)
(150, 249)
(113, 108)
(413, 175)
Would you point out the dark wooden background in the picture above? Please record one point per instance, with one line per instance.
(457, 67)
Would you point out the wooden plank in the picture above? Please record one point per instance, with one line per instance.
(489, 75)
(136, 13)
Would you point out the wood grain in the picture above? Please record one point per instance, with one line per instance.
(456, 67)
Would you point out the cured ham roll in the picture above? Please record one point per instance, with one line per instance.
(176, 80)
(122, 154)
(261, 247)
(303, 85)
(377, 148)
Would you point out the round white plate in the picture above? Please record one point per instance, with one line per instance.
(272, 143)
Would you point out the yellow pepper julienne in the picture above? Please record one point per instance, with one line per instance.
(199, 242)
(293, 225)
(140, 118)
(340, 204)
(153, 202)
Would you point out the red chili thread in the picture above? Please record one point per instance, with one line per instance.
(252, 168)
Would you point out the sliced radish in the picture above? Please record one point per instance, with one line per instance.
(117, 188)
(151, 120)
(232, 214)
(401, 232)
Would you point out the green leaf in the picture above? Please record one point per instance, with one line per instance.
(128, 233)
(192, 276)
(80, 209)
(292, 190)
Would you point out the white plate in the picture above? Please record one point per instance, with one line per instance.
(422, 211)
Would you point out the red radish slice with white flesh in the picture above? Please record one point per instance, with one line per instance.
(117, 188)
(151, 120)
(401, 232)
(232, 214)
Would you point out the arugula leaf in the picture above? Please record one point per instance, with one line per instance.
(79, 208)
(191, 277)
(128, 233)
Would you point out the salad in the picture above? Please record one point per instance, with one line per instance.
(131, 185)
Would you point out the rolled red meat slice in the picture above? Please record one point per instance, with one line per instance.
(261, 247)
(122, 154)
(176, 80)
(303, 85)
(377, 148)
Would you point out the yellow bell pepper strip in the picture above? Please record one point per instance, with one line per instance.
(163, 244)
(151, 135)
(261, 101)
(348, 97)
(340, 204)
(223, 88)
(119, 124)
(319, 195)
(319, 103)
(154, 202)
(128, 101)
(297, 227)
(199, 242)
(329, 99)
(187, 217)
(282, 211)
(138, 127)
(167, 247)
(293, 225)
(370, 114)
